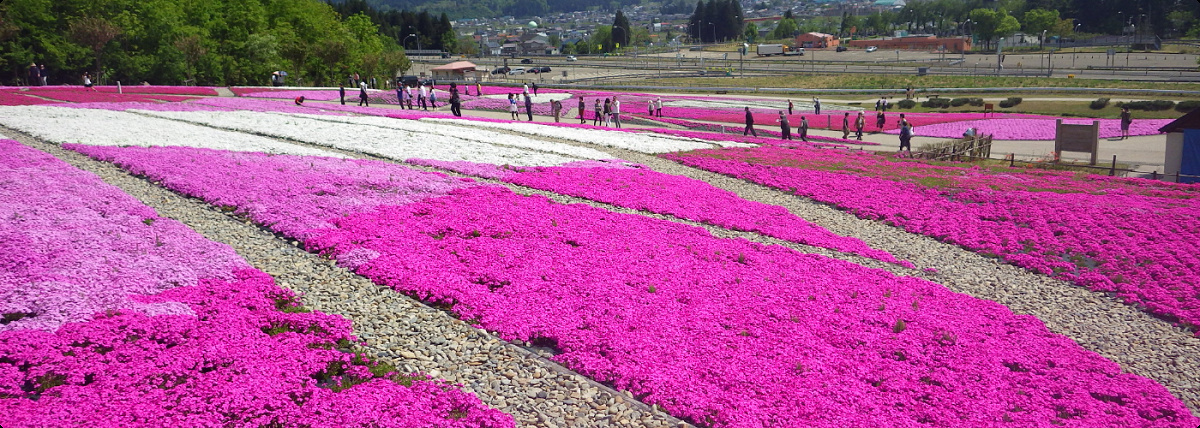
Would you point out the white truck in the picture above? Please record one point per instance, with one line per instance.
(768, 50)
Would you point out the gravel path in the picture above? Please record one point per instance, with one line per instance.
(397, 329)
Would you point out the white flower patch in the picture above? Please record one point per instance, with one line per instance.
(644, 143)
(117, 128)
(469, 134)
(393, 144)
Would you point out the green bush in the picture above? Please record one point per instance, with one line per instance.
(1098, 104)
(1156, 105)
(906, 104)
(1010, 102)
(1187, 106)
(959, 102)
(975, 102)
(936, 103)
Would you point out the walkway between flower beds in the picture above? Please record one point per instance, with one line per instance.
(398, 330)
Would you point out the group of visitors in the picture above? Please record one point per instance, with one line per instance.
(860, 123)
(37, 74)
(609, 114)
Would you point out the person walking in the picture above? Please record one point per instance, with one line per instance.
(608, 112)
(785, 128)
(878, 104)
(422, 94)
(478, 90)
(342, 93)
(529, 107)
(749, 124)
(43, 74)
(556, 108)
(658, 107)
(524, 89)
(906, 134)
(512, 107)
(880, 121)
(1126, 120)
(362, 94)
(400, 96)
(846, 125)
(616, 112)
(35, 75)
(582, 118)
(860, 123)
(535, 88)
(433, 97)
(455, 101)
(803, 128)
(599, 113)
(816, 106)
(408, 91)
(790, 107)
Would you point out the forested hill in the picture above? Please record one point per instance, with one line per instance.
(457, 9)
(207, 42)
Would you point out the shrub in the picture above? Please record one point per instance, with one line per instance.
(1155, 105)
(959, 102)
(1010, 102)
(1187, 106)
(1098, 104)
(975, 102)
(906, 104)
(936, 103)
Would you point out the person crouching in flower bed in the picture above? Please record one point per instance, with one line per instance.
(300, 100)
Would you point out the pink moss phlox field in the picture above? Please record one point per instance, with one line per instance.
(200, 339)
(1137, 238)
(726, 332)
(730, 333)
(138, 89)
(709, 131)
(648, 190)
(14, 98)
(305, 192)
(153, 106)
(73, 246)
(82, 95)
(1035, 129)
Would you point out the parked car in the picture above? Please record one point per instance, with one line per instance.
(842, 49)
(543, 69)
(534, 70)
(527, 61)
(409, 81)
(570, 57)
(872, 48)
(516, 71)
(500, 70)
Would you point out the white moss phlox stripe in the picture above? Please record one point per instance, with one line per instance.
(469, 134)
(644, 143)
(116, 128)
(393, 144)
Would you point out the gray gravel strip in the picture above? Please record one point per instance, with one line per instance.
(398, 330)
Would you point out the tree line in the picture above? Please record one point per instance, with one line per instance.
(210, 42)
(716, 20)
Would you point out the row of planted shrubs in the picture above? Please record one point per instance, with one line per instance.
(1156, 105)
(955, 102)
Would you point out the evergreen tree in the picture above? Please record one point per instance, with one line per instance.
(621, 37)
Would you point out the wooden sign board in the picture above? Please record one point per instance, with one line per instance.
(1077, 138)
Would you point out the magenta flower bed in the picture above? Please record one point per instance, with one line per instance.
(138, 89)
(1034, 129)
(710, 131)
(83, 95)
(1136, 238)
(652, 191)
(724, 332)
(15, 98)
(115, 317)
(823, 120)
